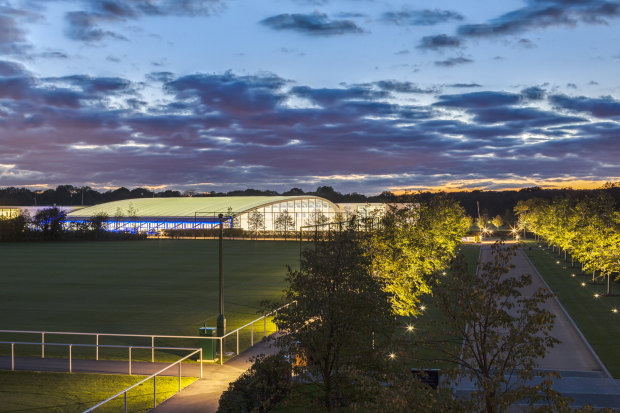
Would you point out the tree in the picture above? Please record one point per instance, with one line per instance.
(413, 244)
(492, 334)
(341, 317)
(49, 222)
(498, 221)
(284, 223)
(256, 223)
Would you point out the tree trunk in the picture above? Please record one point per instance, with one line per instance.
(609, 284)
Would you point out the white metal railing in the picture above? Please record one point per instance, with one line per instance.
(70, 347)
(152, 376)
(153, 337)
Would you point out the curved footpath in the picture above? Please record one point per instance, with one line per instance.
(582, 375)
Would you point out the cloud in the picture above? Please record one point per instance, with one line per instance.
(539, 14)
(478, 100)
(85, 25)
(465, 85)
(533, 93)
(439, 42)
(603, 107)
(313, 24)
(424, 17)
(403, 87)
(240, 131)
(12, 35)
(453, 61)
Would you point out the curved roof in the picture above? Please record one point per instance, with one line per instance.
(185, 206)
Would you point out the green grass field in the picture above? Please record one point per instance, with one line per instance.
(68, 393)
(138, 287)
(167, 287)
(593, 316)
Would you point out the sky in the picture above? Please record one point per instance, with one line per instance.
(362, 95)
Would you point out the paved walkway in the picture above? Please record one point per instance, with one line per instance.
(203, 396)
(583, 376)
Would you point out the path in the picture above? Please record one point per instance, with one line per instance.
(203, 396)
(583, 376)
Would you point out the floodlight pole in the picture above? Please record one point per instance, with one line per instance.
(221, 320)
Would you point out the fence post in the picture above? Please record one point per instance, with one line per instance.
(97, 349)
(154, 391)
(221, 351)
(265, 325)
(130, 361)
(201, 363)
(152, 349)
(252, 335)
(12, 356)
(276, 316)
(179, 376)
(237, 342)
(70, 364)
(42, 344)
(125, 402)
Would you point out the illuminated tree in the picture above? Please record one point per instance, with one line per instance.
(284, 223)
(256, 223)
(414, 243)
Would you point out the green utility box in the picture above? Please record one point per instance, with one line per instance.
(207, 345)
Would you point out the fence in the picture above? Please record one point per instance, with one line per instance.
(152, 337)
(152, 376)
(70, 347)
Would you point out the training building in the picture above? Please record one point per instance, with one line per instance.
(265, 213)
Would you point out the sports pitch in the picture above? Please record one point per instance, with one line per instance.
(138, 287)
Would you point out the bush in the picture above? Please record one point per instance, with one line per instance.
(259, 389)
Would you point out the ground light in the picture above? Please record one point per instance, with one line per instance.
(410, 328)
(392, 356)
(583, 284)
(614, 310)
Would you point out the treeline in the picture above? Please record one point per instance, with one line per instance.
(48, 225)
(491, 203)
(586, 230)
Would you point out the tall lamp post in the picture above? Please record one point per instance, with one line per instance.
(221, 320)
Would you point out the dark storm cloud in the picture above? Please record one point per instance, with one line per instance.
(603, 107)
(313, 24)
(545, 13)
(441, 41)
(453, 61)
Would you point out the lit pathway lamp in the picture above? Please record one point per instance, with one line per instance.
(221, 320)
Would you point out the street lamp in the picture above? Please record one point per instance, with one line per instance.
(221, 320)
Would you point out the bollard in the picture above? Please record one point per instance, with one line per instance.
(130, 361)
(97, 348)
(152, 349)
(42, 344)
(252, 335)
(12, 356)
(70, 366)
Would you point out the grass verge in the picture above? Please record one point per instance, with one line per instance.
(67, 393)
(594, 316)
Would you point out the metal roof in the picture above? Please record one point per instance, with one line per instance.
(185, 206)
